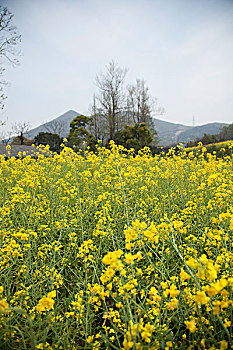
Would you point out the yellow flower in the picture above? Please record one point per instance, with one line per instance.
(90, 339)
(201, 297)
(231, 224)
(52, 294)
(191, 325)
(216, 288)
(129, 258)
(153, 291)
(211, 272)
(119, 305)
(164, 285)
(172, 304)
(130, 235)
(192, 263)
(203, 343)
(168, 345)
(112, 257)
(107, 275)
(173, 291)
(147, 332)
(45, 304)
(184, 275)
(227, 323)
(3, 304)
(223, 345)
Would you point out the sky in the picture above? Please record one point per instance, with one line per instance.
(183, 49)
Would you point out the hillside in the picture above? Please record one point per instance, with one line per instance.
(168, 133)
(199, 131)
(63, 120)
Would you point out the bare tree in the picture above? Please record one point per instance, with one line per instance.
(56, 127)
(111, 97)
(140, 104)
(98, 127)
(9, 38)
(113, 108)
(141, 107)
(21, 128)
(5, 137)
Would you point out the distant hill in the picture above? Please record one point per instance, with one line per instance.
(61, 121)
(199, 131)
(168, 133)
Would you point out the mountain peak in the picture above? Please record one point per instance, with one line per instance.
(64, 118)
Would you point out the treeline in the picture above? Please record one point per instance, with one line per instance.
(224, 135)
(132, 136)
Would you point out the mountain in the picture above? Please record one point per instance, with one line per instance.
(171, 133)
(168, 133)
(59, 125)
(199, 131)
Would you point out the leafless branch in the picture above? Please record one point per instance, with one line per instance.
(5, 137)
(9, 38)
(21, 128)
(56, 127)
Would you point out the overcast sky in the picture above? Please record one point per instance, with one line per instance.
(182, 48)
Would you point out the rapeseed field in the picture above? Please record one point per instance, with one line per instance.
(116, 251)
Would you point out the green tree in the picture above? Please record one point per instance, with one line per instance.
(226, 133)
(79, 132)
(137, 136)
(207, 139)
(47, 138)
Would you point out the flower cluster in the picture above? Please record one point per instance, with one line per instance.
(116, 250)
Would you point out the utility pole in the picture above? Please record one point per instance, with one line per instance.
(193, 120)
